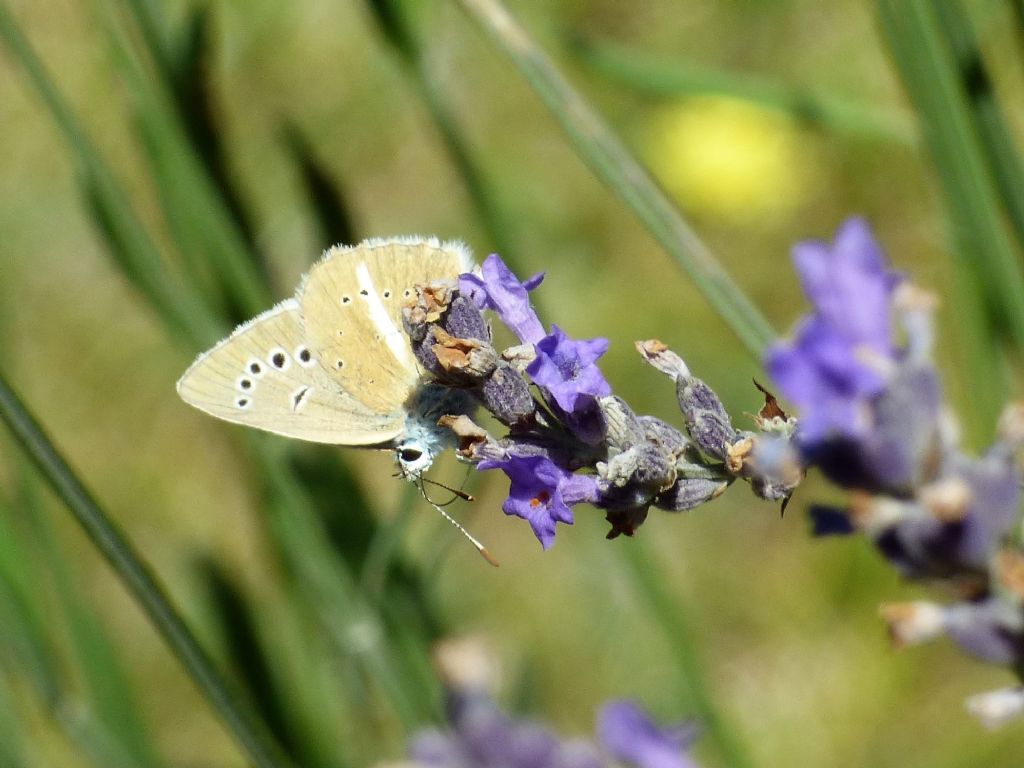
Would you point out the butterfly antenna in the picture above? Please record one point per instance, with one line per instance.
(459, 493)
(479, 547)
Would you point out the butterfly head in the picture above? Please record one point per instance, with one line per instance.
(414, 457)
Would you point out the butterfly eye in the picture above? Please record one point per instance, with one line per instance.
(409, 455)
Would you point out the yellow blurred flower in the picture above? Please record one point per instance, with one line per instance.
(729, 158)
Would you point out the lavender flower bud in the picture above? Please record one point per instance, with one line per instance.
(645, 458)
(705, 418)
(670, 440)
(623, 429)
(689, 492)
(464, 320)
(507, 395)
(770, 464)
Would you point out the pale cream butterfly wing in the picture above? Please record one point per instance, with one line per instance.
(268, 375)
(352, 309)
(334, 365)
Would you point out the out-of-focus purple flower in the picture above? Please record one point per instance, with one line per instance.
(839, 358)
(566, 369)
(498, 289)
(898, 450)
(991, 630)
(830, 521)
(484, 737)
(951, 527)
(541, 492)
(629, 734)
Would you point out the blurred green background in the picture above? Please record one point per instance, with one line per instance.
(247, 136)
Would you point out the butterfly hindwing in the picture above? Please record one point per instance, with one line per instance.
(269, 375)
(351, 305)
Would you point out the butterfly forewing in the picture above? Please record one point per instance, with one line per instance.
(352, 310)
(268, 374)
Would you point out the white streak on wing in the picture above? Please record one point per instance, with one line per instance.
(395, 338)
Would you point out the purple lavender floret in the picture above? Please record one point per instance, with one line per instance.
(498, 289)
(566, 370)
(629, 734)
(839, 357)
(541, 492)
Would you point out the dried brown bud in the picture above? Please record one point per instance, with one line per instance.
(469, 433)
(470, 358)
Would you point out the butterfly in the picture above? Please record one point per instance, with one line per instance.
(334, 364)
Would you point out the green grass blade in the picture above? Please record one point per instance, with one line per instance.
(397, 31)
(12, 748)
(673, 78)
(991, 269)
(192, 91)
(23, 634)
(680, 637)
(180, 60)
(989, 122)
(110, 698)
(135, 251)
(155, 33)
(29, 628)
(138, 579)
(609, 159)
(207, 236)
(326, 198)
(356, 630)
(236, 622)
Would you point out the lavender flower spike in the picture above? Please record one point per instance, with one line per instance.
(629, 734)
(541, 492)
(843, 351)
(566, 369)
(498, 289)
